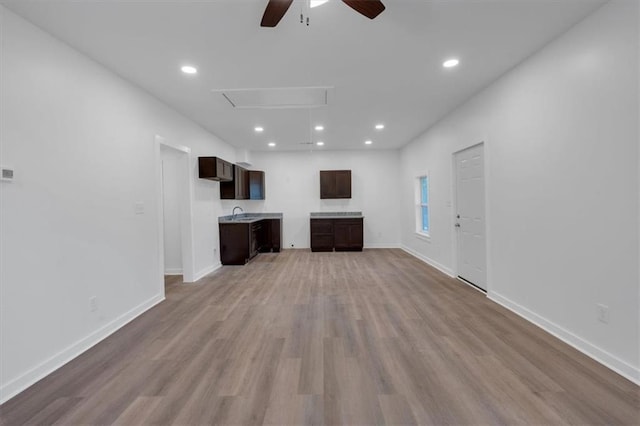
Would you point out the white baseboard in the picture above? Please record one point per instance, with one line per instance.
(173, 271)
(206, 271)
(382, 246)
(428, 261)
(17, 385)
(603, 357)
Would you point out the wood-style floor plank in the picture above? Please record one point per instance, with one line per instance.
(301, 338)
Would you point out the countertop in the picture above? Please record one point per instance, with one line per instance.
(248, 217)
(336, 215)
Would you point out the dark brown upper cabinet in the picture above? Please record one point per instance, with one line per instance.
(335, 184)
(246, 185)
(238, 188)
(256, 185)
(215, 168)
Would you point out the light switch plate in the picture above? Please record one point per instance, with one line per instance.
(138, 207)
(6, 174)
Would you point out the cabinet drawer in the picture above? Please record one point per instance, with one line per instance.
(321, 226)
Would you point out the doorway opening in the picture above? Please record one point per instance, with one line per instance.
(175, 195)
(470, 216)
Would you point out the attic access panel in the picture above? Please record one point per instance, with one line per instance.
(284, 97)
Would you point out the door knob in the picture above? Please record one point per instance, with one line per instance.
(457, 225)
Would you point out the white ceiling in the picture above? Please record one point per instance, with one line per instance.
(388, 70)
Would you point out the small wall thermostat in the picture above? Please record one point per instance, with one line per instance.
(7, 174)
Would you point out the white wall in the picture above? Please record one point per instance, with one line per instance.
(561, 133)
(292, 181)
(81, 141)
(172, 173)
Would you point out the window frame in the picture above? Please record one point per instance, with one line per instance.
(419, 205)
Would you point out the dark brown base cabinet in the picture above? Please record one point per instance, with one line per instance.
(321, 234)
(241, 242)
(337, 234)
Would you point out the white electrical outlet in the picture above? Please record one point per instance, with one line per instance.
(603, 313)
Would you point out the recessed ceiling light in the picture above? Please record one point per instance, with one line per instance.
(379, 126)
(316, 3)
(368, 142)
(259, 129)
(271, 144)
(319, 143)
(188, 69)
(319, 128)
(450, 63)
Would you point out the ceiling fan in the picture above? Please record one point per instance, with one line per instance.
(277, 8)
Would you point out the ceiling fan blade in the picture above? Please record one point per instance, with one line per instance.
(368, 8)
(274, 12)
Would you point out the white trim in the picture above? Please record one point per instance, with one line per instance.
(206, 271)
(186, 213)
(382, 246)
(428, 261)
(423, 236)
(19, 384)
(173, 271)
(603, 357)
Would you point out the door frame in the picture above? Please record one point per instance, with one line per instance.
(454, 209)
(186, 210)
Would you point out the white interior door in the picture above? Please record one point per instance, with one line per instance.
(470, 216)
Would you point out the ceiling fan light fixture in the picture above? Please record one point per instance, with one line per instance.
(450, 63)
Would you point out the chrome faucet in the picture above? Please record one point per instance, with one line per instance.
(233, 213)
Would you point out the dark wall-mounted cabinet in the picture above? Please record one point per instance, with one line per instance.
(335, 184)
(215, 168)
(337, 234)
(246, 185)
(238, 188)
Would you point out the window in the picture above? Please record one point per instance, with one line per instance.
(422, 205)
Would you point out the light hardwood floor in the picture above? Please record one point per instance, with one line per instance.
(328, 338)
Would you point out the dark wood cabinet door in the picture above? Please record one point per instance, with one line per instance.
(235, 243)
(341, 235)
(256, 185)
(343, 184)
(276, 235)
(348, 234)
(335, 184)
(327, 184)
(241, 176)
